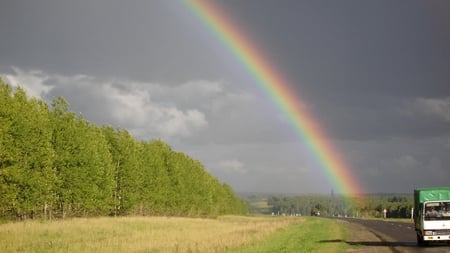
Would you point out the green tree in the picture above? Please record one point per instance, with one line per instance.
(9, 188)
(157, 192)
(55, 163)
(126, 160)
(96, 161)
(83, 164)
(27, 176)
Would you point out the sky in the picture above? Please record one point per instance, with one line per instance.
(374, 74)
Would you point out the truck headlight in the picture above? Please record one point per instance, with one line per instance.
(428, 232)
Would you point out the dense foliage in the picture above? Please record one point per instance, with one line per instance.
(373, 205)
(54, 163)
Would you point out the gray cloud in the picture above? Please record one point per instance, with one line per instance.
(438, 107)
(375, 75)
(105, 103)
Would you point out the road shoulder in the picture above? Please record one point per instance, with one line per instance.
(360, 239)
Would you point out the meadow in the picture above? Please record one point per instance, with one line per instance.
(229, 234)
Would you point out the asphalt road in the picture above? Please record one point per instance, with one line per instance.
(398, 236)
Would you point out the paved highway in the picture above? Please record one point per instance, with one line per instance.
(398, 236)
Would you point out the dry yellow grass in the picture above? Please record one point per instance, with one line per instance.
(139, 234)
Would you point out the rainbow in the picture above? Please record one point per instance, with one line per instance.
(270, 80)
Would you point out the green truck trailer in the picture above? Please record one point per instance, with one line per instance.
(432, 214)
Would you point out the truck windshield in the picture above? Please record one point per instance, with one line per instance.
(437, 210)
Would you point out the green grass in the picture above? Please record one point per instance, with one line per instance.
(311, 235)
(227, 234)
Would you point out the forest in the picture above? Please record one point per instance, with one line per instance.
(54, 164)
(364, 206)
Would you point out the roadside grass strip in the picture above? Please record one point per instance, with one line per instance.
(311, 235)
(227, 234)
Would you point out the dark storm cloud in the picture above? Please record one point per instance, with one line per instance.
(400, 164)
(133, 39)
(358, 63)
(375, 74)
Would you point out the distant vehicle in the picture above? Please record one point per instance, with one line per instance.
(431, 214)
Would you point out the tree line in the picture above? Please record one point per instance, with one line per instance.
(371, 205)
(56, 164)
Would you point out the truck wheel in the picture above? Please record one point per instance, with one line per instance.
(420, 241)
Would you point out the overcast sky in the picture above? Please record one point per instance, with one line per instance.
(375, 75)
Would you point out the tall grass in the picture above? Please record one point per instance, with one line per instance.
(140, 234)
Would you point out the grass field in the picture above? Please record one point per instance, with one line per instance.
(228, 234)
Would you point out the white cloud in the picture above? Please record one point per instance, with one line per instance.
(232, 166)
(177, 122)
(32, 81)
(200, 111)
(146, 109)
(435, 106)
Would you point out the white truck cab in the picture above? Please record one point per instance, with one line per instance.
(432, 214)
